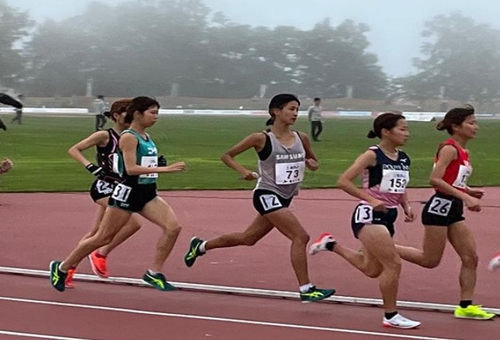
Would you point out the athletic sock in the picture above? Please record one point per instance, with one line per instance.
(465, 303)
(330, 245)
(389, 316)
(305, 288)
(201, 248)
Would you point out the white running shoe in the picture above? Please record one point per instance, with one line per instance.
(494, 263)
(399, 321)
(320, 243)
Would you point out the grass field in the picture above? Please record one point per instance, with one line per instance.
(39, 151)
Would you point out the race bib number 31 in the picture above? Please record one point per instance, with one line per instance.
(394, 181)
(121, 192)
(290, 173)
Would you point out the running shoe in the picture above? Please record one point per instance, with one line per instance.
(399, 321)
(57, 277)
(325, 242)
(316, 294)
(193, 251)
(494, 263)
(157, 281)
(474, 312)
(68, 283)
(99, 264)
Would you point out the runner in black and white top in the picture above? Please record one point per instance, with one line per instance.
(283, 156)
(106, 143)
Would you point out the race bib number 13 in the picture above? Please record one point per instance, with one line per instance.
(363, 214)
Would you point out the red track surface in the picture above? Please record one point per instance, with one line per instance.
(39, 227)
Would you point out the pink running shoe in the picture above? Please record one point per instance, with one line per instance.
(321, 244)
(99, 264)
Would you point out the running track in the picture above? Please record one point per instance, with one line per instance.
(40, 227)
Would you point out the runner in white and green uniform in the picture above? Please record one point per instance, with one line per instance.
(136, 193)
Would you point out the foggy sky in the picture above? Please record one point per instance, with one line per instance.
(395, 25)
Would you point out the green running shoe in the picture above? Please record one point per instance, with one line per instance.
(57, 277)
(473, 312)
(316, 294)
(193, 251)
(157, 281)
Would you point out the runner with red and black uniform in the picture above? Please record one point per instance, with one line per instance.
(442, 215)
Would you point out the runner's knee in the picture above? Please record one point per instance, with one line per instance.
(470, 260)
(431, 262)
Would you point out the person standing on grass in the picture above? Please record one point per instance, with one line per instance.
(283, 156)
(442, 215)
(384, 170)
(19, 111)
(100, 107)
(314, 114)
(106, 144)
(136, 193)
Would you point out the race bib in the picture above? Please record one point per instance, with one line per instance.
(394, 181)
(150, 162)
(463, 174)
(269, 202)
(121, 192)
(114, 163)
(439, 206)
(363, 214)
(104, 188)
(289, 173)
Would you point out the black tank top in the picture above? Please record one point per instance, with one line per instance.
(107, 154)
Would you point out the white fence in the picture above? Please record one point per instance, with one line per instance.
(411, 116)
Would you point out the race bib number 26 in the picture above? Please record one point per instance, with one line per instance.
(440, 206)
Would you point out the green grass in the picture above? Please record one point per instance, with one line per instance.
(39, 151)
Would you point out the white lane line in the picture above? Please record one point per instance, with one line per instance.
(221, 319)
(39, 336)
(243, 291)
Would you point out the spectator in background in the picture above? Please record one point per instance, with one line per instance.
(314, 113)
(100, 107)
(19, 110)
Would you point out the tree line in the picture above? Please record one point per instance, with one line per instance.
(179, 47)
